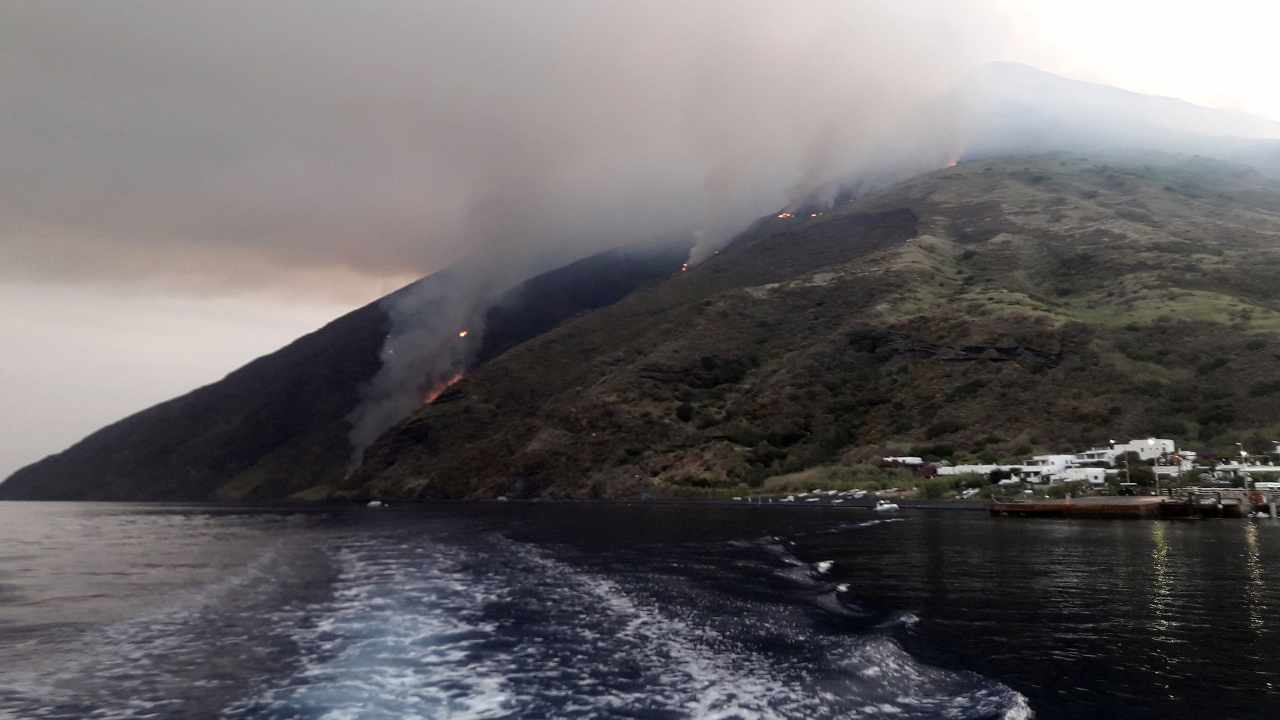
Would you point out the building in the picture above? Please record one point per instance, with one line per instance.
(1096, 455)
(1049, 464)
(1091, 475)
(1147, 449)
(903, 460)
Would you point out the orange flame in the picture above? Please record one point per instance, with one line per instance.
(684, 267)
(785, 215)
(463, 333)
(438, 389)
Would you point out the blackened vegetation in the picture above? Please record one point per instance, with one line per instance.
(545, 301)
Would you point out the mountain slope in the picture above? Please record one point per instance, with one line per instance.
(280, 424)
(991, 309)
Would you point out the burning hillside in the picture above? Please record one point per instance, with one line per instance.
(991, 309)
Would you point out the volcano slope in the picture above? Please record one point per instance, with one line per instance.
(279, 425)
(984, 311)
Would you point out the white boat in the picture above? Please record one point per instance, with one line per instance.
(885, 506)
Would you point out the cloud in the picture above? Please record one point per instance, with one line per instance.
(248, 142)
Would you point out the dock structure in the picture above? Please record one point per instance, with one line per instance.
(1197, 503)
(1111, 507)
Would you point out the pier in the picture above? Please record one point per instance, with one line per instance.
(1111, 507)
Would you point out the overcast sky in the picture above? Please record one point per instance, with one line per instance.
(185, 185)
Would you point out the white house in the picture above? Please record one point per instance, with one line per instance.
(904, 460)
(976, 469)
(1095, 455)
(1093, 476)
(1147, 449)
(1049, 464)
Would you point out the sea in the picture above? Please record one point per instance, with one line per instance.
(586, 610)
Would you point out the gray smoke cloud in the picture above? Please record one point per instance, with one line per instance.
(229, 144)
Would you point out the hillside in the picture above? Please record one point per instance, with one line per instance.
(988, 310)
(279, 425)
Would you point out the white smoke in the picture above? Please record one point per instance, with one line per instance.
(435, 327)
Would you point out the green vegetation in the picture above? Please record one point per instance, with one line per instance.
(840, 477)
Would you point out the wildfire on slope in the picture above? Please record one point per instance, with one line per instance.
(438, 389)
(463, 333)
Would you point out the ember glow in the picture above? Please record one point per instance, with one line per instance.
(684, 267)
(463, 333)
(438, 389)
(784, 215)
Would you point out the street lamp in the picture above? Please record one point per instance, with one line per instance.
(1155, 476)
(1244, 454)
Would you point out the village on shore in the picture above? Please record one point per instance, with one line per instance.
(1139, 478)
(1142, 466)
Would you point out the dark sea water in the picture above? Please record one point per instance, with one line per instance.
(513, 610)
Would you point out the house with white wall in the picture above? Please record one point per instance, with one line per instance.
(1147, 449)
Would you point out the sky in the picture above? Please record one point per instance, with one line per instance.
(185, 186)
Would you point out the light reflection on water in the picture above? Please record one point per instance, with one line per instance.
(1161, 583)
(1255, 587)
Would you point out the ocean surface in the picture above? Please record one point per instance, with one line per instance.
(630, 611)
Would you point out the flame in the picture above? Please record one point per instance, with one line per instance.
(438, 389)
(785, 215)
(463, 333)
(684, 267)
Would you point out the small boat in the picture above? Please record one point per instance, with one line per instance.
(374, 504)
(885, 506)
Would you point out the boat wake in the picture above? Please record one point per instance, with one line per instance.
(494, 628)
(452, 620)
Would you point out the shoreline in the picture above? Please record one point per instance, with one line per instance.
(406, 504)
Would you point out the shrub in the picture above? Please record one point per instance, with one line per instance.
(1061, 490)
(936, 451)
(684, 412)
(1269, 387)
(1209, 366)
(942, 427)
(935, 488)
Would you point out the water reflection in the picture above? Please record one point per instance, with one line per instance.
(1161, 582)
(1255, 588)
